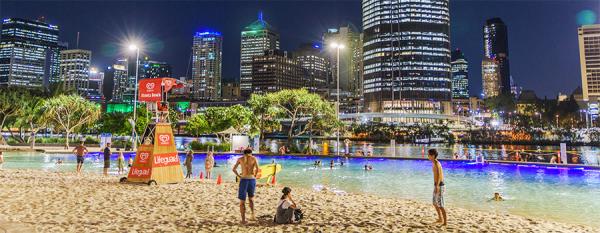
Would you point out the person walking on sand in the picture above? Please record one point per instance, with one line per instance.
(80, 151)
(247, 186)
(121, 162)
(188, 163)
(106, 159)
(209, 163)
(439, 186)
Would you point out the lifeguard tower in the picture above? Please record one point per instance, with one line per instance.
(156, 160)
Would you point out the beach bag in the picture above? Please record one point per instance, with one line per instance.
(298, 215)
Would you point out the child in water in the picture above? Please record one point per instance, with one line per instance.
(497, 197)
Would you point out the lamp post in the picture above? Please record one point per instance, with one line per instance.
(337, 103)
(135, 48)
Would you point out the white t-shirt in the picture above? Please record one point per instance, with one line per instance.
(286, 204)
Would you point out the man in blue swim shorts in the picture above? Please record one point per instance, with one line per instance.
(247, 187)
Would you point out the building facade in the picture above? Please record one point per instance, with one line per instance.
(154, 69)
(406, 48)
(351, 59)
(495, 46)
(315, 67)
(231, 91)
(75, 70)
(257, 38)
(275, 71)
(29, 53)
(206, 65)
(589, 58)
(96, 82)
(460, 75)
(121, 85)
(491, 79)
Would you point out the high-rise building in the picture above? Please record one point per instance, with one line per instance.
(491, 79)
(589, 58)
(121, 87)
(460, 75)
(406, 47)
(153, 69)
(257, 38)
(275, 71)
(206, 65)
(495, 46)
(75, 70)
(315, 66)
(350, 58)
(29, 53)
(96, 82)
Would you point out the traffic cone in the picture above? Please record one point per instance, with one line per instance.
(423, 151)
(273, 180)
(219, 179)
(201, 175)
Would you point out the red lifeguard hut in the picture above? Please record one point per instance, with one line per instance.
(156, 160)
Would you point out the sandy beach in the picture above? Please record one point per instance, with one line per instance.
(63, 202)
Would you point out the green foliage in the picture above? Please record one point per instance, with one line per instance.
(264, 119)
(504, 102)
(115, 123)
(217, 119)
(70, 113)
(318, 114)
(198, 146)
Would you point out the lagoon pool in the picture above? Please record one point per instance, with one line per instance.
(561, 194)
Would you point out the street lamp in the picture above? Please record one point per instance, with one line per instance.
(134, 47)
(337, 46)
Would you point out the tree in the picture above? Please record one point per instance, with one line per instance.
(197, 125)
(10, 106)
(264, 114)
(299, 104)
(70, 113)
(503, 102)
(33, 117)
(115, 122)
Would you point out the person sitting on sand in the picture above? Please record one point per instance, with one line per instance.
(209, 163)
(80, 151)
(120, 162)
(497, 197)
(189, 158)
(249, 165)
(439, 186)
(287, 210)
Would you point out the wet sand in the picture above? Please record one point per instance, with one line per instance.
(63, 202)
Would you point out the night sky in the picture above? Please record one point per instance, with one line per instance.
(543, 45)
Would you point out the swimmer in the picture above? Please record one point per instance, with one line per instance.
(331, 164)
(497, 197)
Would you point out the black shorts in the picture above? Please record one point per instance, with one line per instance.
(79, 159)
(106, 163)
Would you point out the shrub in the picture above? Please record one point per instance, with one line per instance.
(198, 146)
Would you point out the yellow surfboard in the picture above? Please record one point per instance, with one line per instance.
(269, 170)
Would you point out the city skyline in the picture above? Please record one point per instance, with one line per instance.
(531, 58)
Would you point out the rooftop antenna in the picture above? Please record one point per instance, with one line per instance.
(77, 40)
(260, 16)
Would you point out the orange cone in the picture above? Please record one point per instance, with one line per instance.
(201, 175)
(273, 180)
(219, 179)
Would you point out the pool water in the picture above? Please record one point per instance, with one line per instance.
(561, 194)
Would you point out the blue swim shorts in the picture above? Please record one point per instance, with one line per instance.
(247, 186)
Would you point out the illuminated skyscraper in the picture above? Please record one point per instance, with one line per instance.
(154, 69)
(275, 71)
(120, 90)
(29, 53)
(257, 38)
(315, 66)
(406, 46)
(490, 73)
(206, 65)
(589, 58)
(495, 46)
(460, 75)
(75, 70)
(350, 58)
